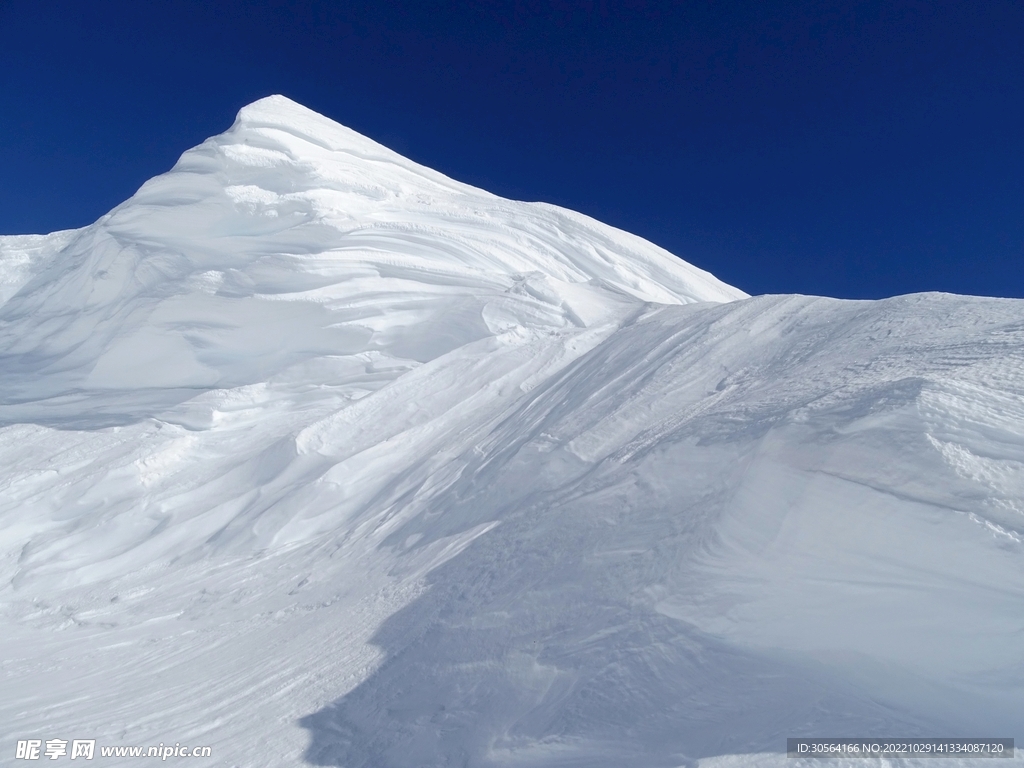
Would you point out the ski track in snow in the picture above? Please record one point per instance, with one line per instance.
(315, 456)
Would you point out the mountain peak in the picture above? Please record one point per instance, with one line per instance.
(275, 107)
(373, 252)
(279, 113)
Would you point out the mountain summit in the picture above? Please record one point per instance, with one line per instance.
(312, 454)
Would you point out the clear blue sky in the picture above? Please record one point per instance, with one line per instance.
(852, 149)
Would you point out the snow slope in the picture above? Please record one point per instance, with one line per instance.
(315, 456)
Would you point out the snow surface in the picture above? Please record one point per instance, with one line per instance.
(315, 456)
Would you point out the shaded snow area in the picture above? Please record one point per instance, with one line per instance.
(315, 456)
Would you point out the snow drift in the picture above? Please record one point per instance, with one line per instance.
(312, 454)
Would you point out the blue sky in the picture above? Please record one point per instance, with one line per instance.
(850, 149)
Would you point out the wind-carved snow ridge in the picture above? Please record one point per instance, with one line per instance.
(308, 447)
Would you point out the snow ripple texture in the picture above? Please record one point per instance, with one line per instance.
(315, 456)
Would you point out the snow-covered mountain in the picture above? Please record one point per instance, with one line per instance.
(313, 455)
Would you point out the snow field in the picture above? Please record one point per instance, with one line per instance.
(316, 456)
